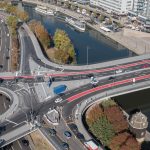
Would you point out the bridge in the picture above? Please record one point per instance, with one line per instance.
(134, 76)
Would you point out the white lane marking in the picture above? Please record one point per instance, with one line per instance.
(19, 144)
(44, 90)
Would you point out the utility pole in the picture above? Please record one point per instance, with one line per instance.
(87, 55)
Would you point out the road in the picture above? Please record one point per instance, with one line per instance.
(4, 46)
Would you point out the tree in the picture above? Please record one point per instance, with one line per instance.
(103, 130)
(63, 43)
(93, 114)
(124, 141)
(108, 103)
(22, 15)
(116, 118)
(41, 33)
(11, 9)
(101, 18)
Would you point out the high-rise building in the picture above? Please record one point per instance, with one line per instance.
(140, 7)
(115, 6)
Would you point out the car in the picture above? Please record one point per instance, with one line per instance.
(119, 71)
(1, 66)
(25, 142)
(68, 134)
(7, 34)
(52, 132)
(7, 49)
(2, 141)
(90, 75)
(111, 78)
(7, 57)
(38, 59)
(73, 127)
(145, 66)
(80, 137)
(94, 81)
(65, 146)
(58, 100)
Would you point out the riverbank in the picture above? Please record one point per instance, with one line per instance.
(136, 41)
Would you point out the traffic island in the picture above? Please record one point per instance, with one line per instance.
(52, 117)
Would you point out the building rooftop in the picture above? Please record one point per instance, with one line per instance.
(139, 121)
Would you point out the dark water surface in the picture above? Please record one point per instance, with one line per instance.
(137, 100)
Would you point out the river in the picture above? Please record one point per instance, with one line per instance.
(90, 46)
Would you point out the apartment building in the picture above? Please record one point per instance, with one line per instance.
(115, 6)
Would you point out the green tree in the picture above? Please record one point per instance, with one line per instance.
(103, 130)
(108, 103)
(11, 9)
(12, 21)
(63, 43)
(101, 18)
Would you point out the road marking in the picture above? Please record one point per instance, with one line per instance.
(19, 144)
(44, 90)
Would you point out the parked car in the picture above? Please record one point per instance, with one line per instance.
(68, 134)
(2, 141)
(7, 57)
(25, 142)
(65, 146)
(52, 132)
(73, 127)
(80, 137)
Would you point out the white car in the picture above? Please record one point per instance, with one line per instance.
(119, 71)
(58, 100)
(7, 34)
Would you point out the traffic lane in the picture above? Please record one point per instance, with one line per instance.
(107, 70)
(26, 45)
(68, 107)
(55, 140)
(4, 45)
(73, 143)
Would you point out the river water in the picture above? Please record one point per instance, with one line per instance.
(90, 46)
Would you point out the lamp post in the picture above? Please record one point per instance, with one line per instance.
(87, 55)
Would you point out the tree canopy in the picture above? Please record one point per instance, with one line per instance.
(103, 130)
(64, 46)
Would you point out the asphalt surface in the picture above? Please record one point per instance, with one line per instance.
(4, 45)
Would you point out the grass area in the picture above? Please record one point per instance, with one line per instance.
(40, 142)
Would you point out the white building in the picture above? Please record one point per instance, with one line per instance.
(141, 7)
(115, 6)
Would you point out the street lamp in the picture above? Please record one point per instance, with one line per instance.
(87, 54)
